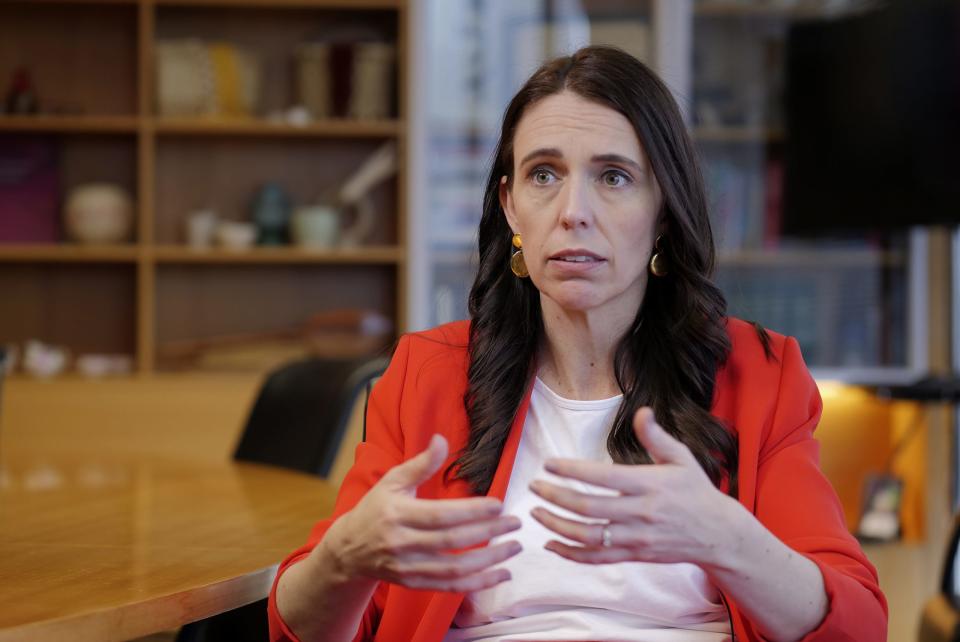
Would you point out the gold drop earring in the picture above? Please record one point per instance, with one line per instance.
(657, 261)
(517, 263)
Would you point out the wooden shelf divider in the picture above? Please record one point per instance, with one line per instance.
(253, 127)
(70, 124)
(789, 258)
(68, 253)
(77, 2)
(296, 4)
(267, 4)
(146, 296)
(734, 134)
(381, 255)
(727, 9)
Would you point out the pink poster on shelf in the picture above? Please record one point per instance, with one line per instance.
(29, 190)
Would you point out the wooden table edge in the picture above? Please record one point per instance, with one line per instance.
(153, 615)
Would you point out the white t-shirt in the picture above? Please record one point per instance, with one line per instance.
(552, 598)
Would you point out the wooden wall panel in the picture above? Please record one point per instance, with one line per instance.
(88, 308)
(197, 302)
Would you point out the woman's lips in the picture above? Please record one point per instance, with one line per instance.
(575, 255)
(575, 261)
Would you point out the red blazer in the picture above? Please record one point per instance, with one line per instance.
(774, 406)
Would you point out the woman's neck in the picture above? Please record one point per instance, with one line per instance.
(576, 356)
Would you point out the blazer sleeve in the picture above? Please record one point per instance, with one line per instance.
(382, 450)
(797, 503)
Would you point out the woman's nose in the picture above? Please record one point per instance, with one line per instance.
(575, 208)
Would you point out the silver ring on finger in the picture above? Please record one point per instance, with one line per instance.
(606, 537)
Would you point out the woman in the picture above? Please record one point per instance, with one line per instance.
(498, 495)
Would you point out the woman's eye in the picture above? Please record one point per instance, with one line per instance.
(542, 176)
(614, 178)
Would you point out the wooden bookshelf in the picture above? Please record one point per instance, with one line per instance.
(92, 62)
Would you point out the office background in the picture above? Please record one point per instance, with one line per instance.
(194, 192)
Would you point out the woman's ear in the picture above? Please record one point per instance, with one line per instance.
(506, 203)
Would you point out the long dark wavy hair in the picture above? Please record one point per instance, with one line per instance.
(669, 357)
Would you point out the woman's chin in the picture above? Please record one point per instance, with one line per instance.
(576, 297)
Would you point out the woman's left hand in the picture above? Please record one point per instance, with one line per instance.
(665, 512)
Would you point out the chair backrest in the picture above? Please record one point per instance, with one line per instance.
(353, 436)
(302, 412)
(357, 389)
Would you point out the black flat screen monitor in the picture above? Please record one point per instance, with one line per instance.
(873, 120)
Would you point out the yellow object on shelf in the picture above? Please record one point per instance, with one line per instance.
(198, 78)
(227, 82)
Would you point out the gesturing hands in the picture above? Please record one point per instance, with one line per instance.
(391, 535)
(667, 512)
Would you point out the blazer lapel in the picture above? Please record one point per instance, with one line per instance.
(443, 606)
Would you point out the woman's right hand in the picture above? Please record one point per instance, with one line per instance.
(393, 536)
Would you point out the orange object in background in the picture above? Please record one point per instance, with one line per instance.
(858, 433)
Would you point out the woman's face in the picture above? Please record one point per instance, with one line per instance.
(585, 202)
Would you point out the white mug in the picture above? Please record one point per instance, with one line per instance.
(316, 226)
(201, 228)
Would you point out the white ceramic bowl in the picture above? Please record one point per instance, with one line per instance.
(102, 365)
(234, 235)
(98, 213)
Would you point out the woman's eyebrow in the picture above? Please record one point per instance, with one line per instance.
(617, 158)
(551, 152)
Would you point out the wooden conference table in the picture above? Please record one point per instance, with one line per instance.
(115, 549)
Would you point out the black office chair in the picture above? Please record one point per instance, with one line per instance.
(298, 421)
(940, 620)
(302, 411)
